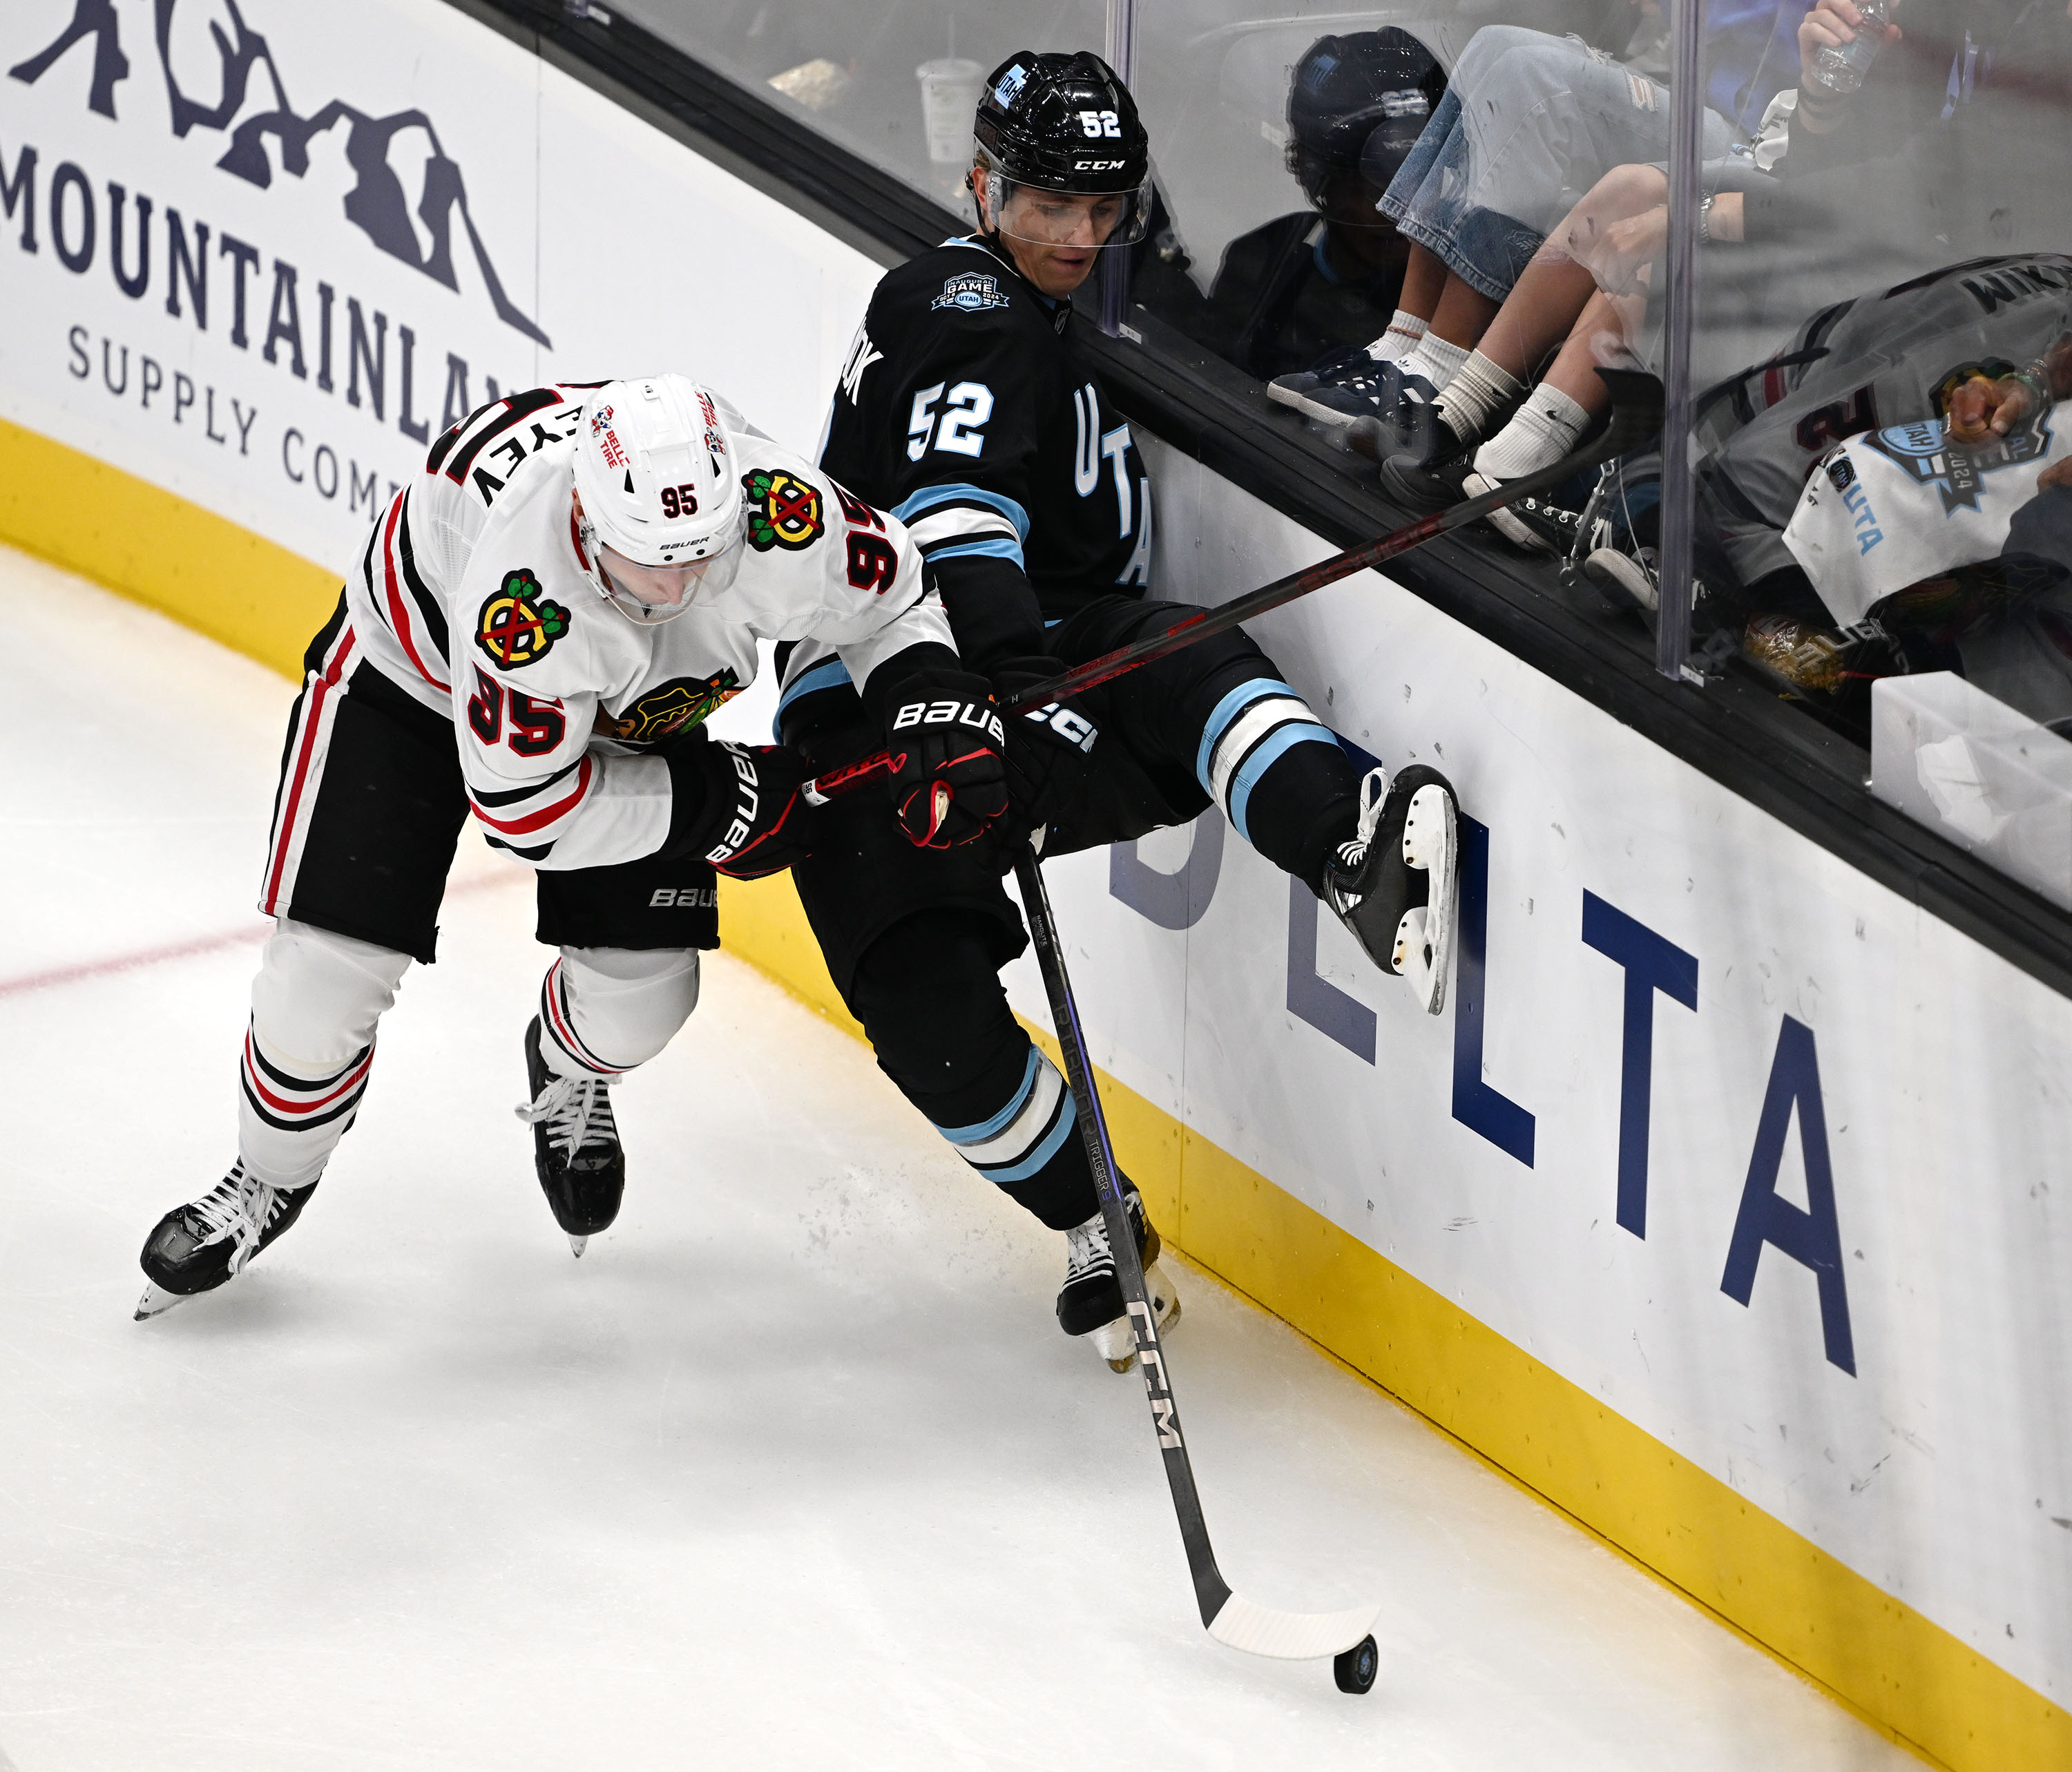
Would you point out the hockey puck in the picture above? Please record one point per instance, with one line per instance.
(1356, 1669)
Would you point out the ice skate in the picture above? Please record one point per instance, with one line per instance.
(1090, 1303)
(195, 1248)
(1395, 884)
(575, 1151)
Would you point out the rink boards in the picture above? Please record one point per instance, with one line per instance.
(1718, 1207)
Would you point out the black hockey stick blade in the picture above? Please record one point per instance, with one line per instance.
(1636, 419)
(1229, 1617)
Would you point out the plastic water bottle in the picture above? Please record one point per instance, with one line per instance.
(1841, 70)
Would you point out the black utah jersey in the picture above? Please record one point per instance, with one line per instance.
(967, 406)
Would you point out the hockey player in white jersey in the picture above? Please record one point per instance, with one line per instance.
(536, 630)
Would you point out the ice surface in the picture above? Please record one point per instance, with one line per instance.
(793, 1470)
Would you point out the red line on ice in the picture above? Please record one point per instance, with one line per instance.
(252, 933)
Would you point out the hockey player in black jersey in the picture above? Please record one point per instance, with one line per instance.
(966, 405)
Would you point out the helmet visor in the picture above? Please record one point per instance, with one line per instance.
(1068, 220)
(649, 595)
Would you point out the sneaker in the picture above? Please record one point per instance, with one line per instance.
(1613, 549)
(1395, 885)
(1295, 390)
(576, 1151)
(195, 1248)
(1091, 1302)
(1403, 422)
(1537, 523)
(1431, 478)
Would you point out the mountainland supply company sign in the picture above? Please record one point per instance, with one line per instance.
(269, 306)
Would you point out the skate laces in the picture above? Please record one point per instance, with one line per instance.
(576, 1110)
(1087, 1250)
(238, 1207)
(1352, 855)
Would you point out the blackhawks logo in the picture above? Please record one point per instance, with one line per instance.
(517, 626)
(675, 707)
(783, 511)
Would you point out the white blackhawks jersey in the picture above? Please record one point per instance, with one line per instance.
(471, 595)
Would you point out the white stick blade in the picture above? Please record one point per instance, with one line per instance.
(1290, 1636)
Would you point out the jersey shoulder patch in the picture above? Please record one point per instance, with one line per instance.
(518, 625)
(970, 292)
(784, 510)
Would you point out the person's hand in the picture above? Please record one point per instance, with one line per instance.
(738, 806)
(1982, 408)
(949, 781)
(1619, 257)
(1831, 25)
(2058, 473)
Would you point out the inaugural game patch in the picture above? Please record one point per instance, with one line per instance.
(972, 292)
(518, 626)
(677, 706)
(783, 511)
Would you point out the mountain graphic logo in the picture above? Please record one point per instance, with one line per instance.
(378, 204)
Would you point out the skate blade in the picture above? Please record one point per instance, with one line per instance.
(578, 1244)
(1424, 938)
(1115, 1342)
(157, 1301)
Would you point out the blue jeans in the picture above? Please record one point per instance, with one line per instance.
(1528, 124)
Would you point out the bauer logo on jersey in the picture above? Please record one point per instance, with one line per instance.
(676, 707)
(1956, 470)
(783, 511)
(973, 293)
(518, 626)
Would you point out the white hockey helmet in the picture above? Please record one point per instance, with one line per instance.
(660, 495)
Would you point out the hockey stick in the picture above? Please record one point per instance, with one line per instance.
(1229, 1617)
(1637, 401)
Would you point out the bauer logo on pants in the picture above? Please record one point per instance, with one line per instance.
(518, 626)
(783, 511)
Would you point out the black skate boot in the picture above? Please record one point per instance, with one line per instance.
(575, 1151)
(1090, 1302)
(1395, 885)
(196, 1247)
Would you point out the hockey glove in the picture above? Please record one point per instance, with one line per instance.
(738, 806)
(1050, 747)
(943, 731)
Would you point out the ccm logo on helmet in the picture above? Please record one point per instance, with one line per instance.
(1096, 166)
(948, 714)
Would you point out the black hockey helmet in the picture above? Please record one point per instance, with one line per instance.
(1062, 124)
(1361, 100)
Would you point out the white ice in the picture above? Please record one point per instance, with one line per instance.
(793, 1470)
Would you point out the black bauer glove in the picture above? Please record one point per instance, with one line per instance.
(949, 782)
(738, 806)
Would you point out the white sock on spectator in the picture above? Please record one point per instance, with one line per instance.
(1540, 433)
(1437, 361)
(1481, 393)
(1405, 330)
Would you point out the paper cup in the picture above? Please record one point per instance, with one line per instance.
(950, 91)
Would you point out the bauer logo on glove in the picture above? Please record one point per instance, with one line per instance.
(985, 718)
(947, 741)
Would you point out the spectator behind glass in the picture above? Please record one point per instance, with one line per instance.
(1313, 284)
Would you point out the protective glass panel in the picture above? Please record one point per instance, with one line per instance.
(896, 84)
(1881, 528)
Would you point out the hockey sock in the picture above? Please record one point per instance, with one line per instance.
(928, 994)
(1479, 394)
(315, 1004)
(1540, 433)
(1405, 330)
(1277, 771)
(604, 1010)
(1437, 361)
